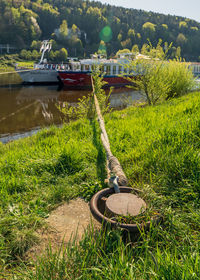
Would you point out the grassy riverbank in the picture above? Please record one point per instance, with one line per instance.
(159, 150)
(8, 61)
(7, 69)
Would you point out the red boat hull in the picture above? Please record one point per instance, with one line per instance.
(83, 80)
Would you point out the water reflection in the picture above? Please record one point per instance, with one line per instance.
(25, 109)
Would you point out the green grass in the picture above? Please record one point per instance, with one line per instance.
(105, 255)
(7, 65)
(26, 64)
(159, 150)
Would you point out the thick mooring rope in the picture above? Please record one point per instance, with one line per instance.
(113, 163)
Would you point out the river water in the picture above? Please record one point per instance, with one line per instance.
(26, 109)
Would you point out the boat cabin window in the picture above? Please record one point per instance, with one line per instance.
(87, 68)
(114, 70)
(108, 70)
(75, 66)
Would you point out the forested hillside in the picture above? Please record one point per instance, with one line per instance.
(84, 27)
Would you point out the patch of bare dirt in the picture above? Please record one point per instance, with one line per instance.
(68, 220)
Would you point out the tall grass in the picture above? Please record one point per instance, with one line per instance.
(105, 255)
(38, 173)
(159, 150)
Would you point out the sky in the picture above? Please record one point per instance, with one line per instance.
(184, 8)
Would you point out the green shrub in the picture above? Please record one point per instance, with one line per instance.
(159, 79)
(180, 78)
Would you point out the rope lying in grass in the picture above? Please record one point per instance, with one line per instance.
(113, 163)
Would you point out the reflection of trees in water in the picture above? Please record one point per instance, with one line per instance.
(24, 108)
(9, 79)
(13, 114)
(39, 106)
(48, 116)
(124, 99)
(46, 100)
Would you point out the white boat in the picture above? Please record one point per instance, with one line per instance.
(78, 75)
(39, 76)
(42, 72)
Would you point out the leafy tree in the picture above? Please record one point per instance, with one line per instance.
(94, 12)
(149, 26)
(15, 16)
(28, 55)
(183, 24)
(54, 45)
(119, 37)
(23, 54)
(35, 45)
(102, 48)
(48, 17)
(123, 51)
(63, 29)
(194, 28)
(52, 56)
(180, 78)
(63, 54)
(55, 56)
(131, 33)
(22, 22)
(135, 49)
(78, 46)
(35, 55)
(181, 39)
(165, 26)
(95, 22)
(74, 29)
(145, 49)
(127, 43)
(149, 30)
(160, 79)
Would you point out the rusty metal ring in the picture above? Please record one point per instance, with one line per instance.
(133, 228)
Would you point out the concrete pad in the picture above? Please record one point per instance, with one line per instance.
(65, 222)
(71, 218)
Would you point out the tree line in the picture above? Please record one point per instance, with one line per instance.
(84, 27)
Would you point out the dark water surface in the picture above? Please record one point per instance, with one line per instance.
(26, 109)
